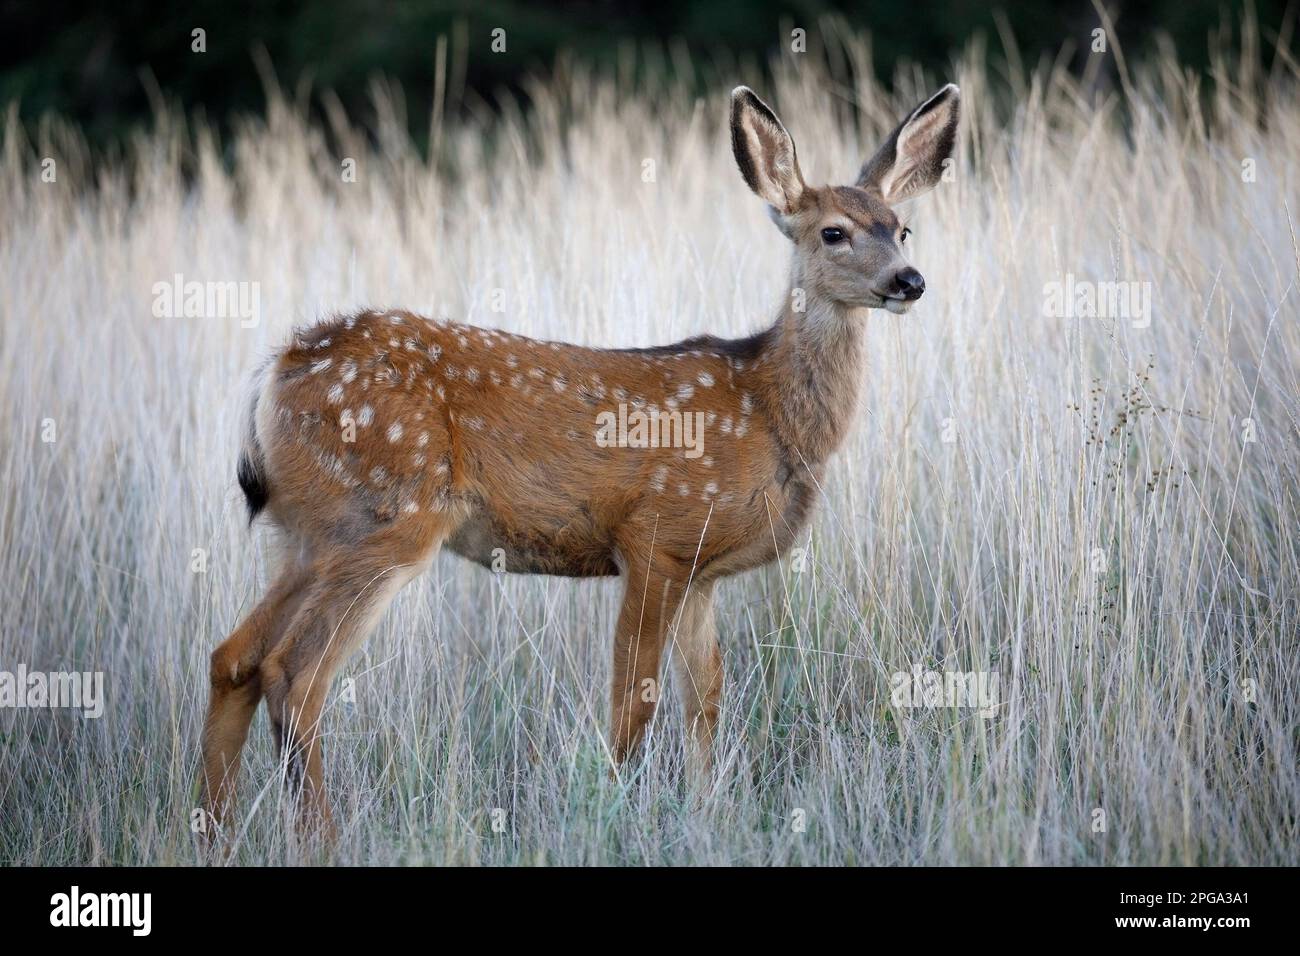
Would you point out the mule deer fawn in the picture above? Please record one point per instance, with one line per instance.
(375, 439)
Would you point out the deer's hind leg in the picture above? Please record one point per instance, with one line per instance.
(353, 588)
(236, 686)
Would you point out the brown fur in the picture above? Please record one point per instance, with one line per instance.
(381, 436)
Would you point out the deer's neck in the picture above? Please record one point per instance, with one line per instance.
(813, 370)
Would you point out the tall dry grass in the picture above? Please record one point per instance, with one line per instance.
(1070, 503)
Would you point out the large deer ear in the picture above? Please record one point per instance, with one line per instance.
(765, 152)
(912, 159)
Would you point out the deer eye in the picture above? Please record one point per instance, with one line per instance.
(832, 235)
(902, 236)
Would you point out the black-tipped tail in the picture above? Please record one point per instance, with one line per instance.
(252, 479)
(251, 469)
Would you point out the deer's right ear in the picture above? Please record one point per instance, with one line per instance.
(765, 152)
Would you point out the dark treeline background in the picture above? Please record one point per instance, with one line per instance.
(97, 64)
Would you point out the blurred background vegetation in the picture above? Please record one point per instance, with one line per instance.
(106, 66)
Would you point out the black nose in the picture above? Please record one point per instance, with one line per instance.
(909, 283)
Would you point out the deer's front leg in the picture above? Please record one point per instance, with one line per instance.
(697, 662)
(652, 597)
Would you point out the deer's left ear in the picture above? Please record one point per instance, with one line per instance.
(912, 160)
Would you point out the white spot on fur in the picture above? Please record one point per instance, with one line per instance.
(365, 416)
(321, 365)
(394, 432)
(348, 372)
(333, 465)
(335, 394)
